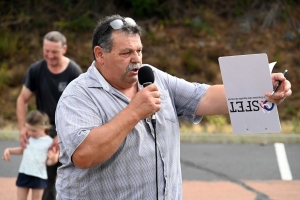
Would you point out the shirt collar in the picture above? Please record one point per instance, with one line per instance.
(99, 78)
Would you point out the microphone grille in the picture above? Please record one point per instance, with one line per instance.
(145, 75)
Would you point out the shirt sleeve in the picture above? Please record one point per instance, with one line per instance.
(29, 79)
(75, 116)
(76, 69)
(185, 96)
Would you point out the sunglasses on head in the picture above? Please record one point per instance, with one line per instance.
(119, 23)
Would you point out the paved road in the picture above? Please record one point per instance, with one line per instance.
(230, 162)
(212, 171)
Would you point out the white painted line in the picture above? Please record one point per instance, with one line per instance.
(283, 163)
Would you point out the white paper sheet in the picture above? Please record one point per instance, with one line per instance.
(246, 78)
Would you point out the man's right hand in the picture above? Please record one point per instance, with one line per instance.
(23, 137)
(146, 102)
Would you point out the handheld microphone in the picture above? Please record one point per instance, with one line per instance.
(146, 77)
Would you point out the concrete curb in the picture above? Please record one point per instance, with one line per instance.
(261, 138)
(241, 138)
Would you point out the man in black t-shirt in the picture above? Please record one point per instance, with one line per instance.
(47, 79)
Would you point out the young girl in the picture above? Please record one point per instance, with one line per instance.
(32, 171)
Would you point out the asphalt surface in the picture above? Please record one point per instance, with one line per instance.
(230, 162)
(210, 161)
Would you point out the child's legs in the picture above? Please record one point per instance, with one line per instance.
(37, 194)
(22, 193)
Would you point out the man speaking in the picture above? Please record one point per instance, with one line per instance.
(104, 124)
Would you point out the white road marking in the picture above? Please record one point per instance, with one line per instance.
(283, 163)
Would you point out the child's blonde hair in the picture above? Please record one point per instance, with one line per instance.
(38, 118)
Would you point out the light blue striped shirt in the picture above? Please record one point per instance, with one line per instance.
(88, 102)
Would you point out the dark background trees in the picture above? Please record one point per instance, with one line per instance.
(184, 38)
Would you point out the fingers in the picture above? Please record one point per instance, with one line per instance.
(55, 149)
(287, 88)
(24, 138)
(278, 96)
(54, 146)
(6, 156)
(155, 96)
(23, 143)
(152, 88)
(146, 102)
(276, 101)
(289, 93)
(283, 91)
(278, 77)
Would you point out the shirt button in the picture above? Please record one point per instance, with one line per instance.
(166, 194)
(166, 175)
(148, 120)
(162, 155)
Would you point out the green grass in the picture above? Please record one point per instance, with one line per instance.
(208, 132)
(9, 135)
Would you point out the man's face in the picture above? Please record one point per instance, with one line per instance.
(126, 50)
(53, 52)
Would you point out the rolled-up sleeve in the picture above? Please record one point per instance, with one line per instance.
(75, 116)
(185, 95)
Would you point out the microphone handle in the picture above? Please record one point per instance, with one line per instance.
(146, 84)
(153, 118)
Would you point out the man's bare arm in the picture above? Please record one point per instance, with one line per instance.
(214, 101)
(21, 111)
(102, 142)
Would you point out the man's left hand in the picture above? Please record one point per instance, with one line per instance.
(283, 91)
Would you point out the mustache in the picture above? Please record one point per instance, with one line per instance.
(133, 66)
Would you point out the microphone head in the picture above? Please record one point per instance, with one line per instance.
(146, 76)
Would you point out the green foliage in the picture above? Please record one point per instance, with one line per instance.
(152, 38)
(172, 41)
(147, 8)
(207, 27)
(296, 123)
(199, 24)
(8, 134)
(189, 62)
(290, 109)
(288, 5)
(277, 56)
(217, 120)
(31, 107)
(8, 44)
(241, 6)
(239, 42)
(82, 23)
(3, 77)
(164, 63)
(39, 23)
(9, 114)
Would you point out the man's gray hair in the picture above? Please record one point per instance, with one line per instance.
(55, 36)
(103, 32)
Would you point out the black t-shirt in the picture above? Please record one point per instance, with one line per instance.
(47, 86)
